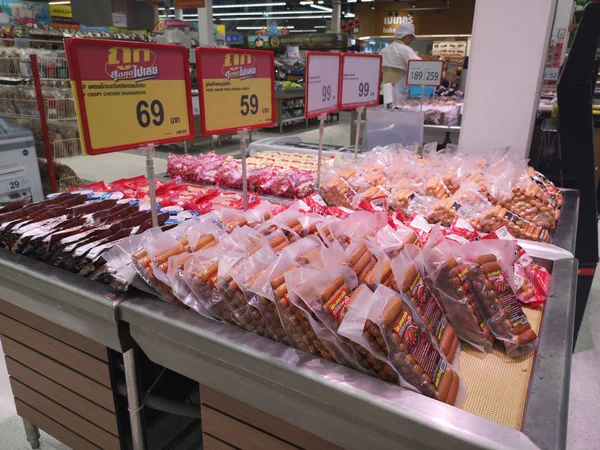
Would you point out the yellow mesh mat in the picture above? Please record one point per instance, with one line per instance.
(497, 386)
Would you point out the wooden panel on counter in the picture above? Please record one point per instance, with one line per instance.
(59, 373)
(245, 418)
(53, 428)
(211, 443)
(56, 331)
(88, 365)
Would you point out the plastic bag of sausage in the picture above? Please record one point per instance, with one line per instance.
(489, 279)
(448, 275)
(409, 269)
(411, 352)
(270, 284)
(242, 301)
(306, 333)
(355, 327)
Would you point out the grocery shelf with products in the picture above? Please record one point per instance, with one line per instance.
(290, 106)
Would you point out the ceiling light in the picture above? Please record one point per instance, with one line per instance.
(291, 27)
(306, 3)
(303, 31)
(275, 13)
(351, 1)
(319, 26)
(227, 14)
(249, 5)
(322, 8)
(278, 18)
(59, 3)
(350, 14)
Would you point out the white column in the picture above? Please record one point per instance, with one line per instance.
(205, 25)
(508, 53)
(179, 14)
(335, 16)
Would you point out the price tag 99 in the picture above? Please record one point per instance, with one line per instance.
(236, 89)
(130, 94)
(361, 76)
(322, 81)
(424, 73)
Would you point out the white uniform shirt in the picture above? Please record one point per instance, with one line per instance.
(396, 55)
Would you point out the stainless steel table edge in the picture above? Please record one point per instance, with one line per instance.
(69, 300)
(338, 404)
(565, 235)
(547, 408)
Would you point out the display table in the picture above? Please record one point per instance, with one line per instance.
(253, 389)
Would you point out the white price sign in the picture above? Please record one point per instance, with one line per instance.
(322, 81)
(196, 105)
(424, 73)
(361, 77)
(551, 73)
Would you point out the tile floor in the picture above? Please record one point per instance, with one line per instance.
(585, 391)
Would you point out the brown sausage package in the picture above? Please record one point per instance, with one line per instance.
(490, 279)
(448, 274)
(409, 269)
(410, 349)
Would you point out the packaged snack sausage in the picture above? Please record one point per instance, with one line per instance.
(497, 301)
(409, 268)
(411, 352)
(449, 277)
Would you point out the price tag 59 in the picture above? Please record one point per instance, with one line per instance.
(424, 73)
(322, 80)
(236, 89)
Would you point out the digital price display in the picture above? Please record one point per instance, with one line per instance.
(130, 94)
(361, 77)
(321, 85)
(236, 89)
(424, 73)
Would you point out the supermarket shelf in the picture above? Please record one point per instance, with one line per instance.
(71, 301)
(285, 94)
(293, 119)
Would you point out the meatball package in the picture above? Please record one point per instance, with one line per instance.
(491, 264)
(449, 276)
(410, 349)
(409, 269)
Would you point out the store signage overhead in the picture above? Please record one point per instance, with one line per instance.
(182, 4)
(130, 94)
(360, 81)
(424, 73)
(236, 89)
(322, 82)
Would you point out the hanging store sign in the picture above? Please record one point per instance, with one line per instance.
(360, 82)
(182, 4)
(236, 89)
(130, 94)
(424, 73)
(322, 81)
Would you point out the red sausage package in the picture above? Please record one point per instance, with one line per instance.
(409, 269)
(449, 276)
(491, 263)
(410, 349)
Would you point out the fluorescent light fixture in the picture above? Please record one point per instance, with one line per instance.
(320, 2)
(249, 5)
(365, 38)
(350, 15)
(291, 27)
(322, 8)
(303, 31)
(282, 18)
(59, 3)
(227, 14)
(319, 26)
(351, 1)
(306, 3)
(276, 13)
(366, 1)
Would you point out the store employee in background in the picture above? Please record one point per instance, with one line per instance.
(395, 59)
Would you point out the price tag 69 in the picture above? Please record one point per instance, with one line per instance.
(322, 81)
(130, 94)
(361, 75)
(424, 73)
(236, 89)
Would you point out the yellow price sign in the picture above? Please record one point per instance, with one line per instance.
(130, 94)
(236, 89)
